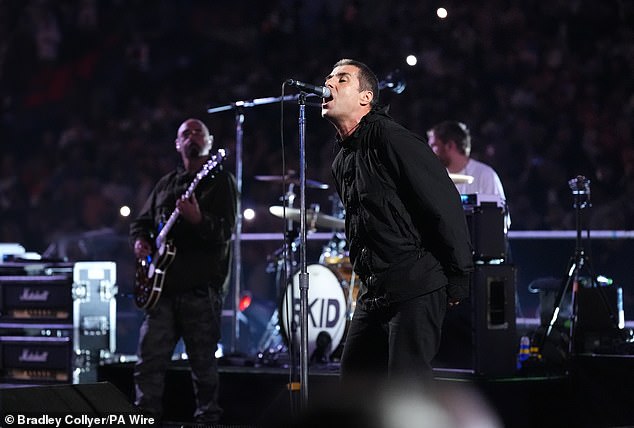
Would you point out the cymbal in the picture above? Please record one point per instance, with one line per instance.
(312, 218)
(461, 178)
(291, 180)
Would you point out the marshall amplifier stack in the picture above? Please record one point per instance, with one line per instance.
(56, 319)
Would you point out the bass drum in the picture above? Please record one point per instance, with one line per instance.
(327, 312)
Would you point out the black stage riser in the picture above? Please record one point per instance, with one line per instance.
(99, 399)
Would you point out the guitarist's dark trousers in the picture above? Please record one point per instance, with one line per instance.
(194, 316)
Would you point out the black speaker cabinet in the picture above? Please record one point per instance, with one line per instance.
(480, 334)
(98, 399)
(599, 310)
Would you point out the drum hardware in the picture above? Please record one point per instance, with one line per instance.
(323, 346)
(273, 348)
(291, 179)
(461, 178)
(332, 302)
(338, 210)
(330, 305)
(327, 311)
(353, 292)
(313, 217)
(272, 345)
(335, 255)
(313, 212)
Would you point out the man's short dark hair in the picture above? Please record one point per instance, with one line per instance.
(367, 79)
(451, 130)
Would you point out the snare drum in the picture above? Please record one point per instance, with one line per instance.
(327, 308)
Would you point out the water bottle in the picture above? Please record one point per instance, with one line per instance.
(524, 351)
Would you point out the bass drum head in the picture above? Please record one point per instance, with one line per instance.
(326, 311)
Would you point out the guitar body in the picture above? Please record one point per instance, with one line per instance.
(149, 277)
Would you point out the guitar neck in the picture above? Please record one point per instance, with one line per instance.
(209, 166)
(162, 236)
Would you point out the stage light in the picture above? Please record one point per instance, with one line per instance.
(441, 12)
(411, 60)
(245, 302)
(219, 351)
(124, 211)
(248, 214)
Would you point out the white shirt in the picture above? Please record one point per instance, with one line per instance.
(485, 182)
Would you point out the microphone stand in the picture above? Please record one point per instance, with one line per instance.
(577, 262)
(303, 275)
(580, 187)
(238, 107)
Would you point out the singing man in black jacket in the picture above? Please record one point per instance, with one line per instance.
(190, 303)
(408, 238)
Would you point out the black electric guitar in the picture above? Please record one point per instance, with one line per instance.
(150, 272)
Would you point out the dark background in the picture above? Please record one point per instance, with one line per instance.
(92, 93)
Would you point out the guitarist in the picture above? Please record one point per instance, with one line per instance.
(195, 281)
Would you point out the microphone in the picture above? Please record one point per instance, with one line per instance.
(321, 91)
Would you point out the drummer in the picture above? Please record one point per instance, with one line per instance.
(451, 142)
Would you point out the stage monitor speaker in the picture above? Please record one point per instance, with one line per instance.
(98, 399)
(599, 312)
(481, 335)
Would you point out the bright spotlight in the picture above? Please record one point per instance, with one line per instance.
(248, 214)
(411, 60)
(441, 12)
(124, 211)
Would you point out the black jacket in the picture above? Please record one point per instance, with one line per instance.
(202, 251)
(404, 220)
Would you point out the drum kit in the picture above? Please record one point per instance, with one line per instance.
(333, 290)
(332, 294)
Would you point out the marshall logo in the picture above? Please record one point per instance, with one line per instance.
(33, 357)
(29, 295)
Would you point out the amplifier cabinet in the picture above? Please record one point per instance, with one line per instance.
(47, 319)
(36, 359)
(36, 298)
(494, 322)
(35, 268)
(480, 334)
(485, 220)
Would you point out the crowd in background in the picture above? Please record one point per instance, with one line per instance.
(91, 92)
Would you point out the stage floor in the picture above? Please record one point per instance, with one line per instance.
(592, 391)
(589, 391)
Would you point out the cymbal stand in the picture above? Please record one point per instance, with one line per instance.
(289, 260)
(289, 242)
(283, 263)
(238, 107)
